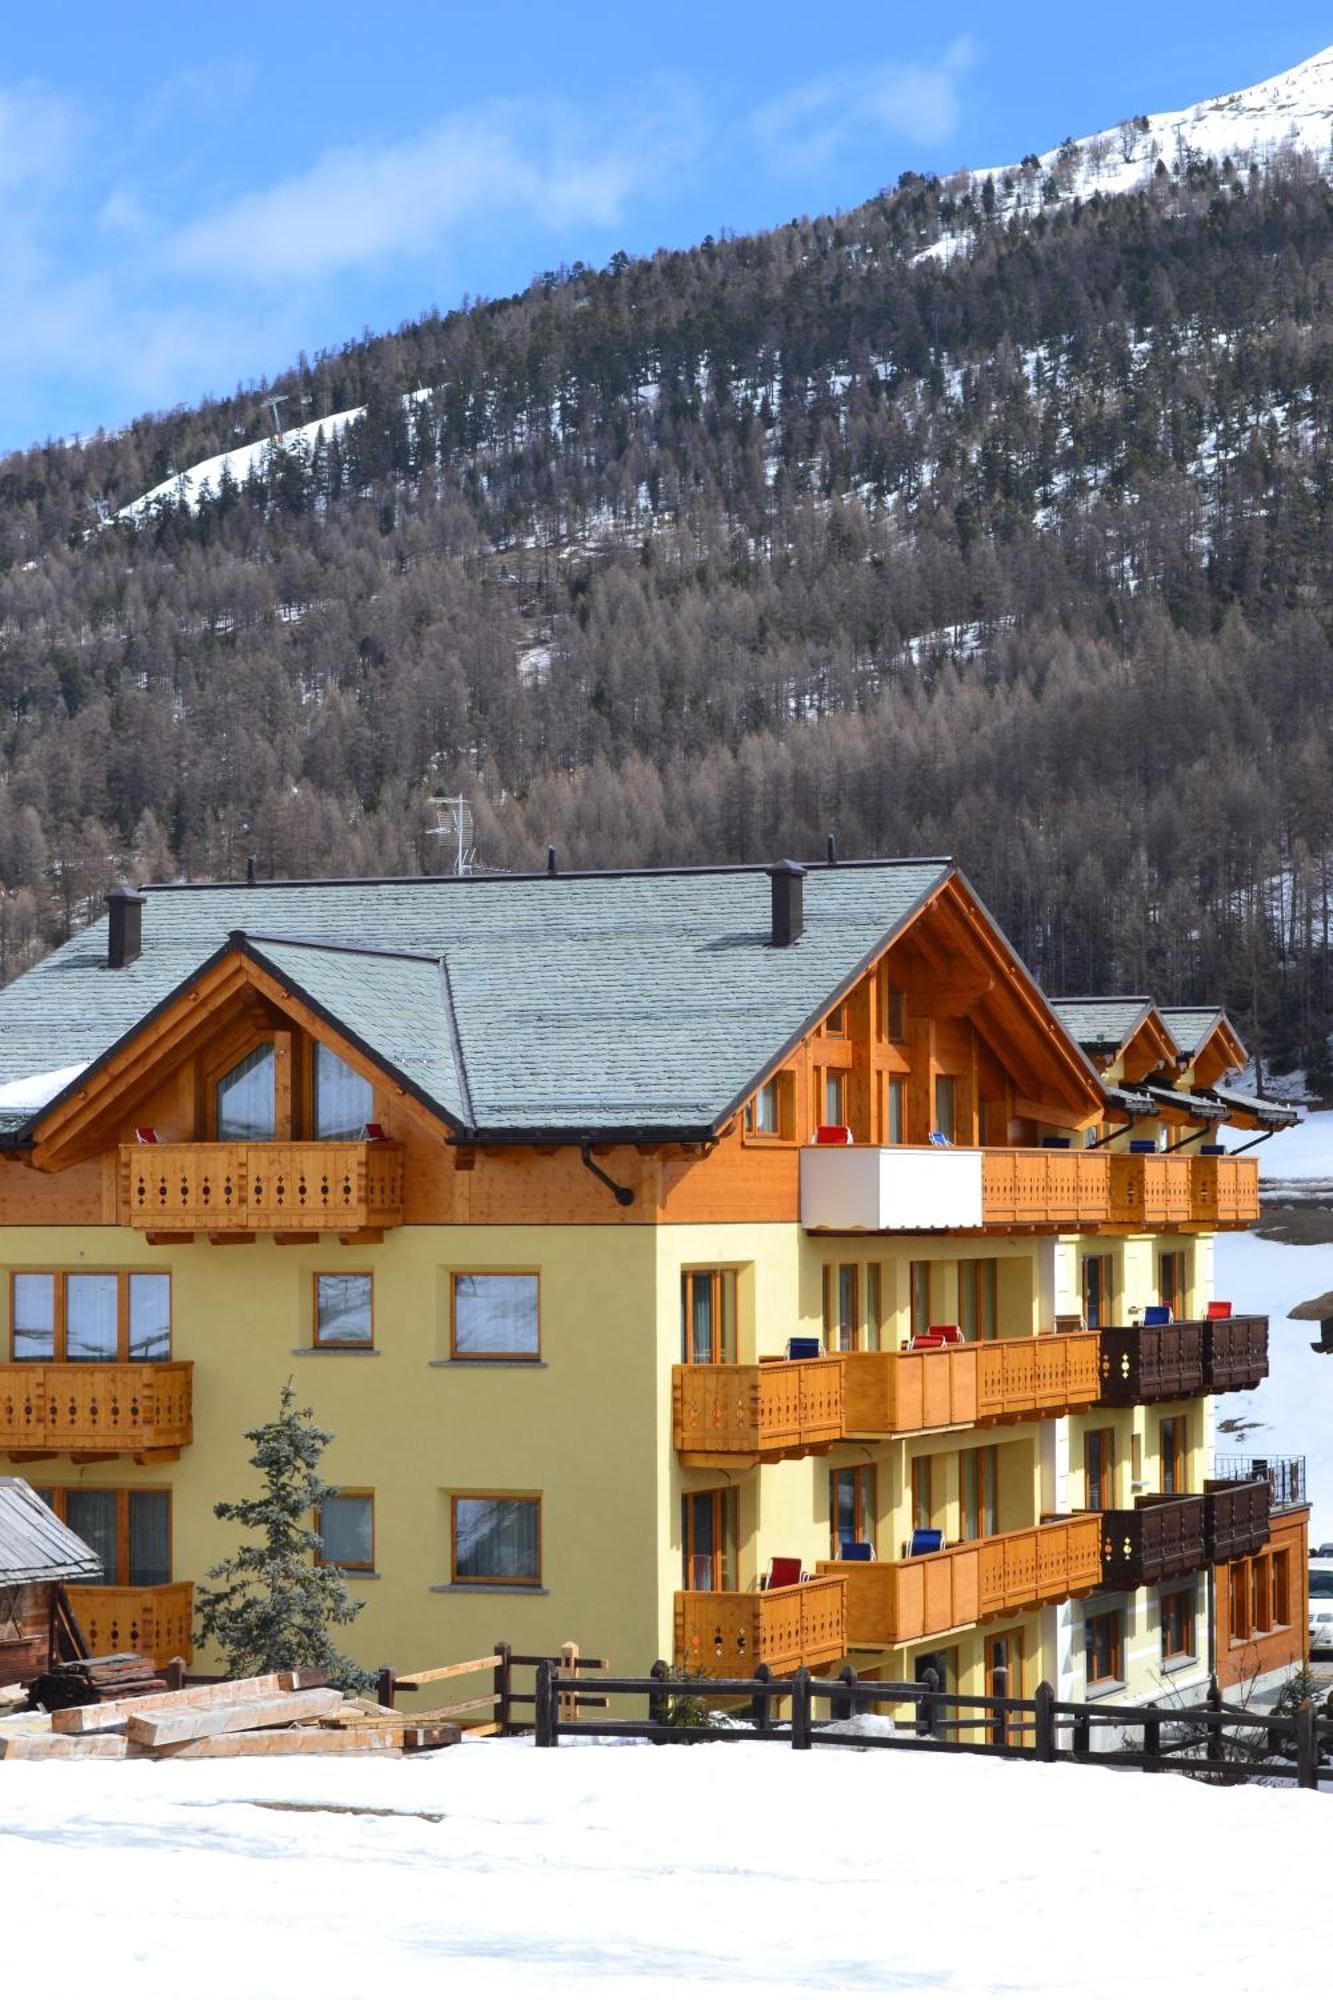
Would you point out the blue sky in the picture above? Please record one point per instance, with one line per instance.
(190, 196)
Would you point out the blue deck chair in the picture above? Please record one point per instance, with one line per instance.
(926, 1542)
(1056, 1145)
(938, 1139)
(1157, 1315)
(857, 1552)
(1143, 1145)
(804, 1347)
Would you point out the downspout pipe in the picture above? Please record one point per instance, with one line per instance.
(623, 1195)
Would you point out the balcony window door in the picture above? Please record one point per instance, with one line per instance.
(921, 1295)
(1171, 1281)
(895, 1110)
(874, 1307)
(708, 1317)
(979, 1298)
(90, 1316)
(842, 1308)
(245, 1099)
(979, 1484)
(893, 1024)
(1004, 1667)
(343, 1102)
(946, 1108)
(708, 1539)
(922, 1492)
(1103, 1649)
(1098, 1284)
(835, 1097)
(1173, 1448)
(1099, 1470)
(853, 1513)
(129, 1531)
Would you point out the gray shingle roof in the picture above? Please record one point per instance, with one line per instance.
(35, 1546)
(637, 1002)
(1190, 1025)
(1102, 1023)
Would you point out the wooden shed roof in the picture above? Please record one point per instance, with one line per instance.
(35, 1546)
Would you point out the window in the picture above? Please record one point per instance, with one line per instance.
(708, 1540)
(246, 1097)
(497, 1539)
(895, 1012)
(1173, 1434)
(921, 1493)
(979, 1486)
(1261, 1596)
(494, 1316)
(1171, 1281)
(836, 1024)
(1098, 1284)
(921, 1296)
(874, 1307)
(342, 1100)
(842, 1312)
(1103, 1648)
(1238, 1601)
(344, 1309)
(90, 1316)
(1003, 1658)
(835, 1097)
(895, 1127)
(129, 1531)
(1099, 1470)
(946, 1107)
(853, 1514)
(1281, 1587)
(1177, 1625)
(346, 1531)
(763, 1114)
(707, 1317)
(942, 1661)
(979, 1298)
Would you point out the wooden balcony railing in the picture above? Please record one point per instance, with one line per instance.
(1224, 1190)
(728, 1632)
(92, 1406)
(977, 1382)
(889, 1603)
(342, 1185)
(156, 1619)
(757, 1413)
(1150, 1190)
(1151, 1364)
(1161, 1537)
(1039, 1187)
(1235, 1518)
(1235, 1352)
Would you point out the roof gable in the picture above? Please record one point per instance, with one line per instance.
(35, 1545)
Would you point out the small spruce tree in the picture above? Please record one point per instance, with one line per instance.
(275, 1606)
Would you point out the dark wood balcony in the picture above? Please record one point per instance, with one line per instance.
(1161, 1537)
(94, 1409)
(1236, 1518)
(1235, 1353)
(1151, 1364)
(890, 1603)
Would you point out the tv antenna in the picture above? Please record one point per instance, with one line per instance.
(453, 821)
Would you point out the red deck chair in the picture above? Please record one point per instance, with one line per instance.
(1219, 1309)
(833, 1135)
(783, 1571)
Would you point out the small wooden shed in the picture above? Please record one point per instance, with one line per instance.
(38, 1557)
(1321, 1310)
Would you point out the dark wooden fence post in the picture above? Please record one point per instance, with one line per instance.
(545, 1706)
(1307, 1748)
(843, 1707)
(504, 1686)
(1082, 1744)
(658, 1709)
(1044, 1720)
(1000, 1732)
(384, 1687)
(800, 1709)
(926, 1711)
(174, 1674)
(1152, 1741)
(763, 1703)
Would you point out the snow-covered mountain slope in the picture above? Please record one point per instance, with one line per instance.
(1294, 110)
(190, 487)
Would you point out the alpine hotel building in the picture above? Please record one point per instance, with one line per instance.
(724, 1265)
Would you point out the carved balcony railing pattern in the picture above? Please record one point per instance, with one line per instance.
(728, 1632)
(48, 1406)
(219, 1187)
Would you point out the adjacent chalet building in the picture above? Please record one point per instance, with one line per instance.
(726, 1264)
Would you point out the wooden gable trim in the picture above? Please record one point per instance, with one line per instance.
(1220, 1052)
(1148, 1049)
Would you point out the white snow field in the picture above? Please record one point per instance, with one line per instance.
(636, 1871)
(1293, 1409)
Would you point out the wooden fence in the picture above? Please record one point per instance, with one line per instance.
(499, 1704)
(1216, 1741)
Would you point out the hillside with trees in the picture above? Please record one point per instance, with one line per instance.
(1017, 547)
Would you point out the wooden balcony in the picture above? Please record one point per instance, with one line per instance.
(156, 1619)
(977, 1382)
(1160, 1537)
(1235, 1352)
(1150, 1190)
(1151, 1364)
(1224, 1190)
(345, 1185)
(728, 1632)
(96, 1410)
(891, 1603)
(1235, 1518)
(1044, 1188)
(752, 1415)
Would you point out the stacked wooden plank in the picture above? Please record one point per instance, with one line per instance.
(265, 1716)
(79, 1683)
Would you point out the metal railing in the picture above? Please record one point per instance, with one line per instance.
(1285, 1476)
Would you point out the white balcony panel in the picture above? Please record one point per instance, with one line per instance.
(890, 1187)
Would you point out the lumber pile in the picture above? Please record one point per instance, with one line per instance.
(268, 1715)
(77, 1683)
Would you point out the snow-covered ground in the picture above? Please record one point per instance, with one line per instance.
(498, 1869)
(1293, 1408)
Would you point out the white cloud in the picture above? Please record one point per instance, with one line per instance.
(358, 204)
(805, 128)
